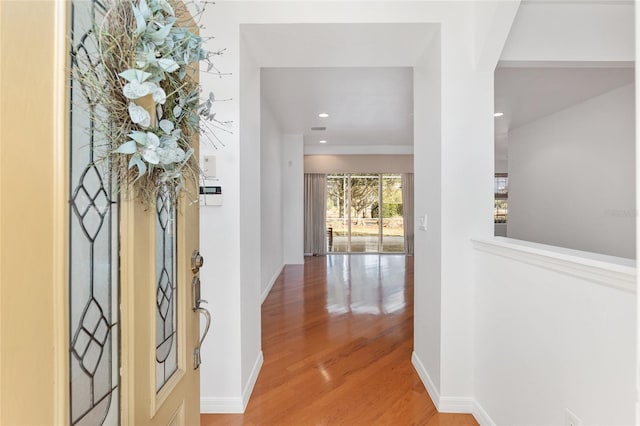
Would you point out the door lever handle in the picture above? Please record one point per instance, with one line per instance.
(197, 360)
(196, 301)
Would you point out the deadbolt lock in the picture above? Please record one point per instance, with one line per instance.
(196, 261)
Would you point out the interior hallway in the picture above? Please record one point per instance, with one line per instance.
(337, 336)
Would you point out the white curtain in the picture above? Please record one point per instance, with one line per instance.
(315, 211)
(407, 209)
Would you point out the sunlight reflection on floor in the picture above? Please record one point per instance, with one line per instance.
(378, 291)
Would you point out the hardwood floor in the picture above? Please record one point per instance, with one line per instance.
(337, 337)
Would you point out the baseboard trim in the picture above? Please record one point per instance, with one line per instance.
(273, 280)
(221, 405)
(233, 405)
(465, 405)
(432, 390)
(251, 381)
(481, 416)
(453, 404)
(450, 404)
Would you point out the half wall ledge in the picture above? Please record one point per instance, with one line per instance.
(609, 271)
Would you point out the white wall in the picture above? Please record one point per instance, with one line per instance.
(502, 166)
(358, 163)
(250, 232)
(637, 96)
(555, 329)
(220, 371)
(572, 31)
(500, 229)
(453, 106)
(271, 261)
(572, 177)
(333, 149)
(454, 307)
(293, 199)
(453, 115)
(427, 320)
(501, 153)
(230, 234)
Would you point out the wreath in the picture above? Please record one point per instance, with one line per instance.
(145, 81)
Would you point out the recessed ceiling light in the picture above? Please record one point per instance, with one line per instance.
(498, 114)
(323, 115)
(323, 141)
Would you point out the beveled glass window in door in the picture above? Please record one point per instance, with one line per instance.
(93, 244)
(166, 290)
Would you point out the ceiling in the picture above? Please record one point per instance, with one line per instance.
(353, 71)
(337, 45)
(370, 96)
(366, 106)
(526, 94)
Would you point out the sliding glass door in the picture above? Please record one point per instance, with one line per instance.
(392, 239)
(364, 213)
(337, 213)
(364, 219)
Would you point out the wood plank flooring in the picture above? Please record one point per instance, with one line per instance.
(337, 337)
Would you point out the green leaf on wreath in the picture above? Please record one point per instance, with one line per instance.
(141, 23)
(135, 75)
(128, 147)
(137, 162)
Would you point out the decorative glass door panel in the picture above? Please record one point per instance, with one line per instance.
(133, 330)
(166, 293)
(93, 244)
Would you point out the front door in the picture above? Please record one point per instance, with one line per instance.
(160, 331)
(97, 325)
(134, 326)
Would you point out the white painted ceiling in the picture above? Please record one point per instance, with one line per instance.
(526, 94)
(337, 45)
(366, 106)
(339, 69)
(356, 72)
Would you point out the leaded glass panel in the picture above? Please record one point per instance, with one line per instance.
(166, 291)
(93, 243)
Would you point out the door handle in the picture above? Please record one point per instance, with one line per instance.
(196, 301)
(197, 360)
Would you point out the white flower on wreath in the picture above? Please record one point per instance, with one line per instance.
(138, 87)
(169, 150)
(139, 115)
(137, 90)
(151, 151)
